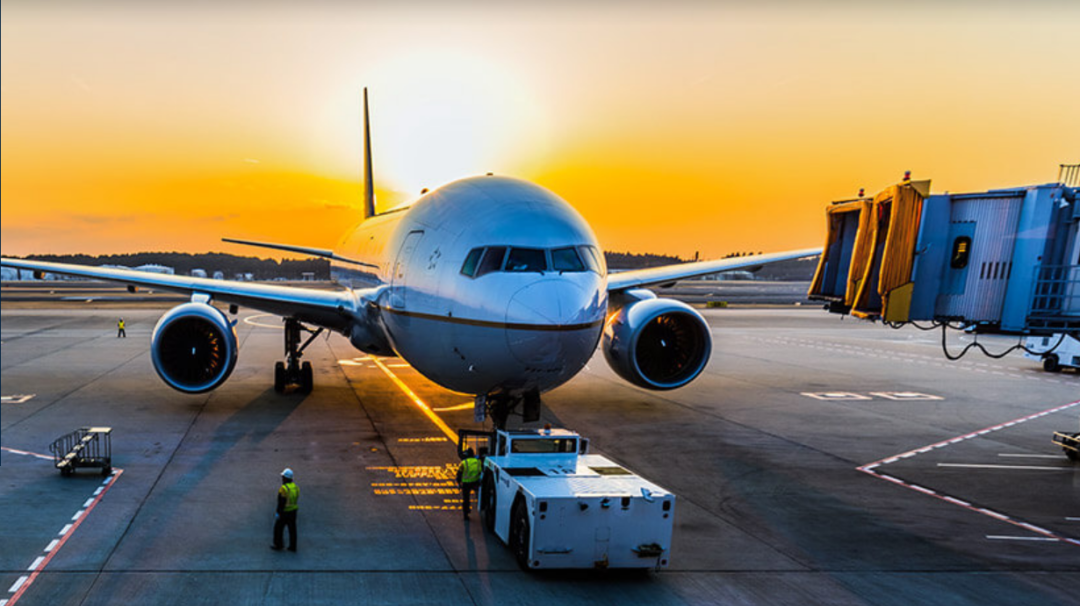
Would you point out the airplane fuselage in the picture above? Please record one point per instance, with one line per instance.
(487, 285)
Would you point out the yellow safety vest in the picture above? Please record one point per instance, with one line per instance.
(120, 324)
(470, 470)
(291, 492)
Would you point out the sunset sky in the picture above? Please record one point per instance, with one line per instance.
(673, 127)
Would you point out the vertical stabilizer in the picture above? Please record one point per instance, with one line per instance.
(369, 182)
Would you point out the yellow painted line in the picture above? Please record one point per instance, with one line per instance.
(465, 406)
(424, 408)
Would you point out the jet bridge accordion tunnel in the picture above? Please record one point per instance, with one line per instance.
(998, 262)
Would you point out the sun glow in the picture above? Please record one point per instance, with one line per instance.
(439, 115)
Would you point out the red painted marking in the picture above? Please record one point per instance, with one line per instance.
(109, 482)
(870, 468)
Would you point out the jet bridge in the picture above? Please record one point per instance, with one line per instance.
(1005, 261)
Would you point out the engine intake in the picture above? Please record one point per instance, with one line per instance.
(657, 343)
(194, 347)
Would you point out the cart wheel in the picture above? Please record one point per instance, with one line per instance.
(487, 501)
(66, 471)
(1051, 363)
(106, 471)
(1072, 454)
(519, 534)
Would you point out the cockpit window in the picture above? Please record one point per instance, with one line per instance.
(471, 262)
(486, 260)
(493, 260)
(566, 259)
(593, 259)
(526, 259)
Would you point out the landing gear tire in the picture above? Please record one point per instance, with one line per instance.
(279, 377)
(520, 534)
(307, 378)
(1051, 363)
(488, 501)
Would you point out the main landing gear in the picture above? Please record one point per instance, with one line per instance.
(291, 372)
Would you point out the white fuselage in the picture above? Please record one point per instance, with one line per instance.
(515, 328)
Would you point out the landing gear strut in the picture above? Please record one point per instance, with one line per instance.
(291, 371)
(500, 406)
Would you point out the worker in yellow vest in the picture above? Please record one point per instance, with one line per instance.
(468, 475)
(287, 506)
(120, 332)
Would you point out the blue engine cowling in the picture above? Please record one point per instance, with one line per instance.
(194, 347)
(657, 343)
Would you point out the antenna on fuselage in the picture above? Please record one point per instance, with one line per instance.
(369, 182)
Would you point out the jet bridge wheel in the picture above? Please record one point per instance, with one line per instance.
(1051, 363)
(520, 533)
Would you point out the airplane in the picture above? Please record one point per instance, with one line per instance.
(489, 286)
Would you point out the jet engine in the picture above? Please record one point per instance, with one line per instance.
(194, 347)
(657, 343)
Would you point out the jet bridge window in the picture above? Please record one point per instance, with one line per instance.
(492, 261)
(526, 259)
(566, 259)
(961, 252)
(472, 262)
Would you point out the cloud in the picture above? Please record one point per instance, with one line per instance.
(251, 160)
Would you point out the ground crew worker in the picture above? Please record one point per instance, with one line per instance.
(120, 332)
(287, 506)
(468, 475)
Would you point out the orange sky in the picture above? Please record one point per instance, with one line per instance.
(673, 127)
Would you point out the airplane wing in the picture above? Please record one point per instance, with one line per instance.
(329, 308)
(652, 276)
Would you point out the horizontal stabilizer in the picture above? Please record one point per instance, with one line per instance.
(315, 252)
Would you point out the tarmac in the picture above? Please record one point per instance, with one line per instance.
(817, 460)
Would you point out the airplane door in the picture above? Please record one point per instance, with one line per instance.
(399, 285)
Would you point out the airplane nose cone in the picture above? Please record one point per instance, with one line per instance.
(551, 323)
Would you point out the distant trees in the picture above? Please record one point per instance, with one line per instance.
(183, 263)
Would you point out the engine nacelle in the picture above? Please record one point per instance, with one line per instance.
(194, 347)
(657, 343)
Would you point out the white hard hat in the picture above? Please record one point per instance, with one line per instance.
(287, 474)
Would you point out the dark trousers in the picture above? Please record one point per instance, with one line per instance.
(467, 488)
(286, 519)
(121, 333)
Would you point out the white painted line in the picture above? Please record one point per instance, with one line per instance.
(923, 490)
(1023, 467)
(3, 602)
(89, 502)
(78, 515)
(98, 491)
(52, 545)
(18, 584)
(20, 399)
(1072, 519)
(1030, 456)
(956, 501)
(996, 537)
(36, 563)
(64, 530)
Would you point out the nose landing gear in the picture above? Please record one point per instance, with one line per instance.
(292, 372)
(499, 406)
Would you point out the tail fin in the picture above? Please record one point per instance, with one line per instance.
(369, 182)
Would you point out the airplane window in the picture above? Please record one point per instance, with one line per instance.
(961, 252)
(469, 267)
(566, 259)
(493, 260)
(526, 259)
(593, 259)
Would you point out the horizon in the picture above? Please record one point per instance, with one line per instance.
(687, 127)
